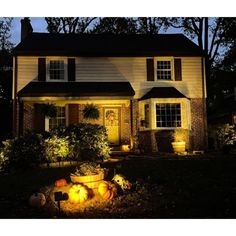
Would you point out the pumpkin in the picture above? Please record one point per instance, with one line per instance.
(37, 200)
(107, 190)
(78, 193)
(60, 183)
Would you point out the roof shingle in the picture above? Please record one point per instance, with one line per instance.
(42, 44)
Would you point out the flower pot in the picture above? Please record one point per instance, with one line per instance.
(178, 147)
(91, 181)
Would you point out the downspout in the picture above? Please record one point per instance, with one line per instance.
(131, 124)
(204, 101)
(14, 94)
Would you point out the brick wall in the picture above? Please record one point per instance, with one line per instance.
(28, 117)
(199, 125)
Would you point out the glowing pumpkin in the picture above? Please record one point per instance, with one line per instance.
(107, 190)
(78, 194)
(37, 200)
(60, 183)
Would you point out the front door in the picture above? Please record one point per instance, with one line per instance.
(112, 123)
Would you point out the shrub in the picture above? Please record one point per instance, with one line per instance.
(226, 137)
(24, 151)
(56, 148)
(3, 160)
(87, 141)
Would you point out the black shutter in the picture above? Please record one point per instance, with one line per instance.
(178, 70)
(71, 69)
(42, 69)
(39, 118)
(150, 70)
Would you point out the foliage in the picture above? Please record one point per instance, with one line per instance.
(88, 168)
(115, 25)
(56, 148)
(49, 110)
(105, 25)
(226, 134)
(179, 135)
(90, 140)
(3, 160)
(5, 27)
(91, 111)
(24, 151)
(69, 24)
(149, 25)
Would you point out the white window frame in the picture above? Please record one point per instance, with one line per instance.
(66, 117)
(48, 69)
(171, 59)
(143, 116)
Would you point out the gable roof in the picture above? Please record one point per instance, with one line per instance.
(76, 89)
(163, 92)
(42, 44)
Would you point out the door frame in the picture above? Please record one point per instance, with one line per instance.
(119, 120)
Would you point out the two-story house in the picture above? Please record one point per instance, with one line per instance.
(143, 85)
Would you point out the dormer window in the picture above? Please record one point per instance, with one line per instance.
(56, 70)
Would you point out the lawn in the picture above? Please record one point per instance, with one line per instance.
(198, 187)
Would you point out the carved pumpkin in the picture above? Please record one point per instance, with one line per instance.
(37, 200)
(78, 194)
(60, 183)
(107, 190)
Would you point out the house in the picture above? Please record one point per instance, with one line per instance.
(145, 86)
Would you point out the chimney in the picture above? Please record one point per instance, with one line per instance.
(26, 28)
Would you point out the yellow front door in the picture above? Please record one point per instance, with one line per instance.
(112, 123)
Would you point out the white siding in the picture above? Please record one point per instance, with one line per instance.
(130, 69)
(27, 71)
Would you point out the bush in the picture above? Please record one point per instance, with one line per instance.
(22, 152)
(224, 136)
(3, 160)
(87, 141)
(56, 148)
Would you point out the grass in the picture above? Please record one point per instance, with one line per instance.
(163, 188)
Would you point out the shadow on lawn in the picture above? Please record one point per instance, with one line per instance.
(201, 188)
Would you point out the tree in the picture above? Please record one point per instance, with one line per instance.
(5, 76)
(149, 25)
(209, 33)
(5, 27)
(69, 24)
(115, 25)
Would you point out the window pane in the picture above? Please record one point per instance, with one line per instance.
(60, 118)
(56, 70)
(168, 115)
(164, 70)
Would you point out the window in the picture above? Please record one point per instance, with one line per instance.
(60, 118)
(164, 70)
(146, 115)
(168, 115)
(56, 70)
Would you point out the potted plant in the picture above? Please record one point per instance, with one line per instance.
(91, 112)
(49, 110)
(89, 174)
(178, 144)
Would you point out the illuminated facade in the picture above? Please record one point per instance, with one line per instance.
(145, 87)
